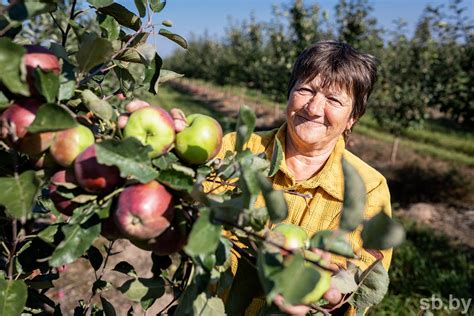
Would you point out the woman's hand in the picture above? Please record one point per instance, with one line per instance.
(179, 119)
(130, 107)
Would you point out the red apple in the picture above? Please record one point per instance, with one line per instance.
(170, 241)
(93, 176)
(19, 116)
(200, 141)
(35, 144)
(144, 211)
(39, 56)
(62, 204)
(69, 143)
(152, 126)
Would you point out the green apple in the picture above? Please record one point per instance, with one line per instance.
(152, 126)
(321, 287)
(69, 143)
(295, 236)
(200, 141)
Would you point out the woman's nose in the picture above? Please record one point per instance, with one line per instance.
(315, 106)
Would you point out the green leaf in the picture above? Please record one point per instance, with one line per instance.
(125, 268)
(23, 10)
(142, 290)
(96, 105)
(78, 238)
(43, 281)
(245, 127)
(66, 90)
(18, 194)
(47, 83)
(95, 257)
(157, 5)
(100, 3)
(141, 7)
(4, 102)
(344, 280)
(354, 198)
(122, 15)
(372, 287)
(108, 308)
(109, 25)
(93, 52)
(249, 184)
(174, 37)
(277, 157)
(142, 54)
(381, 232)
(47, 234)
(13, 296)
(152, 74)
(129, 155)
(177, 180)
(208, 306)
(11, 56)
(165, 161)
(167, 75)
(167, 23)
(274, 200)
(100, 286)
(204, 236)
(296, 280)
(332, 241)
(51, 117)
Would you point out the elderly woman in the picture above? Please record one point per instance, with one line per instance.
(327, 94)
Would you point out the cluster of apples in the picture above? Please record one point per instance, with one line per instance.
(143, 213)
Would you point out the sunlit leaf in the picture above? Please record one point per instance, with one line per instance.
(174, 37)
(354, 198)
(11, 56)
(17, 194)
(52, 117)
(13, 296)
(381, 232)
(93, 52)
(129, 155)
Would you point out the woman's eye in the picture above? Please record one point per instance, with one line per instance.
(334, 101)
(305, 91)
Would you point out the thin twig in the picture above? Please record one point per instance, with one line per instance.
(57, 24)
(68, 27)
(13, 250)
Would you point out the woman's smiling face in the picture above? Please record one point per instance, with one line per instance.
(318, 116)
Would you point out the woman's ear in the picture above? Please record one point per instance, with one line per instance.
(350, 123)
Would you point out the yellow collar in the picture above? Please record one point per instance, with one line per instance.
(329, 178)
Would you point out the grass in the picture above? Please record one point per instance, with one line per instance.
(426, 265)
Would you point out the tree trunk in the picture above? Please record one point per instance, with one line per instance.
(393, 156)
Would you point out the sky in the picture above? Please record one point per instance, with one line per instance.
(198, 16)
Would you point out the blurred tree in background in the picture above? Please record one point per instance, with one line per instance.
(427, 73)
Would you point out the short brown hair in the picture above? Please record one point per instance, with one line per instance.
(339, 64)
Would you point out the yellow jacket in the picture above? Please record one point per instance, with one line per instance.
(323, 210)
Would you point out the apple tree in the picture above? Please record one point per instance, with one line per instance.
(82, 159)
